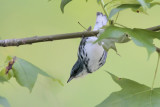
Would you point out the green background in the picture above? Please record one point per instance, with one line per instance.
(26, 18)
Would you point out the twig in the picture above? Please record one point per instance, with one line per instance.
(120, 25)
(154, 78)
(116, 17)
(83, 26)
(105, 11)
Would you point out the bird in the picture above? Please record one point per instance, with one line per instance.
(91, 56)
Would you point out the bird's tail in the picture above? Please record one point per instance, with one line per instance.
(101, 21)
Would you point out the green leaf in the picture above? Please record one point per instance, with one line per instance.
(63, 4)
(154, 4)
(149, 5)
(9, 58)
(109, 37)
(111, 32)
(143, 4)
(4, 102)
(120, 2)
(109, 44)
(136, 5)
(4, 77)
(123, 7)
(148, 1)
(124, 2)
(116, 3)
(49, 76)
(140, 37)
(144, 38)
(132, 94)
(26, 73)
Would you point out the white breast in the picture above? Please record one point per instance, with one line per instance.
(94, 52)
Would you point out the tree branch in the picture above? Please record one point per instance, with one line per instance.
(36, 39)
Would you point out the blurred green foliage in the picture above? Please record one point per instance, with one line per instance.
(26, 18)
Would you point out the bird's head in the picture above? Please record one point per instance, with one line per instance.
(77, 70)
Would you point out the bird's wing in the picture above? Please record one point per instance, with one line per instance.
(82, 54)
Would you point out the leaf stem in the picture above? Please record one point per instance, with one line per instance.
(121, 25)
(155, 71)
(116, 17)
(102, 5)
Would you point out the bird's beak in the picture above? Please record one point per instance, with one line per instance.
(70, 78)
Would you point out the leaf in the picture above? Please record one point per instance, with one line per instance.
(63, 4)
(5, 77)
(2, 79)
(154, 4)
(143, 4)
(49, 76)
(109, 37)
(120, 2)
(132, 94)
(124, 2)
(116, 3)
(26, 73)
(123, 7)
(4, 102)
(148, 1)
(9, 58)
(136, 5)
(4, 74)
(144, 38)
(140, 37)
(109, 44)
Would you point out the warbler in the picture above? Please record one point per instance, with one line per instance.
(91, 56)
